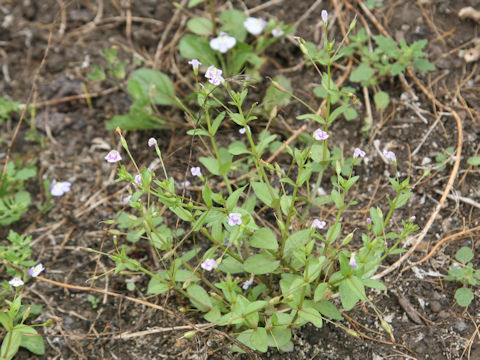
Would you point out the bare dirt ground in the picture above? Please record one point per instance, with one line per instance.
(76, 33)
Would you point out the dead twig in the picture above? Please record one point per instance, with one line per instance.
(458, 236)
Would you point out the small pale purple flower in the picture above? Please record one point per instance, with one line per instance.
(214, 75)
(138, 179)
(358, 153)
(127, 199)
(234, 219)
(223, 42)
(184, 184)
(254, 25)
(113, 156)
(324, 16)
(389, 155)
(195, 64)
(277, 32)
(242, 130)
(352, 262)
(369, 221)
(34, 271)
(16, 282)
(318, 224)
(59, 188)
(152, 142)
(196, 171)
(247, 284)
(209, 264)
(413, 218)
(319, 134)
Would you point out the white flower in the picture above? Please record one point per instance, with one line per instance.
(214, 75)
(113, 156)
(352, 262)
(195, 64)
(16, 282)
(59, 188)
(152, 142)
(247, 284)
(389, 155)
(324, 16)
(138, 179)
(277, 32)
(223, 42)
(34, 271)
(318, 224)
(234, 219)
(209, 264)
(255, 26)
(196, 171)
(358, 153)
(243, 131)
(319, 134)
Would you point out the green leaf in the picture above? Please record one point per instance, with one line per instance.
(464, 255)
(25, 173)
(312, 315)
(195, 47)
(241, 55)
(5, 321)
(233, 198)
(347, 297)
(129, 122)
(276, 97)
(200, 26)
(381, 99)
(263, 193)
(198, 132)
(32, 341)
(11, 341)
(386, 44)
(297, 240)
(231, 266)
(474, 160)
(320, 291)
(351, 290)
(238, 148)
(154, 85)
(260, 264)
(193, 3)
(336, 197)
(244, 338)
(279, 336)
(397, 68)
(350, 114)
(199, 297)
(464, 296)
(374, 284)
(423, 65)
(259, 339)
(211, 164)
(264, 238)
(233, 24)
(97, 74)
(182, 275)
(377, 219)
(329, 310)
(363, 73)
(156, 286)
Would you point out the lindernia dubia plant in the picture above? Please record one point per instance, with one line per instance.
(251, 252)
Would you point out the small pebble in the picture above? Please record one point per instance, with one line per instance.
(435, 306)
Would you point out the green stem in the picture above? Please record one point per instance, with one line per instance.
(217, 154)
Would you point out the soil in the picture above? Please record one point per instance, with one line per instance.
(75, 141)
